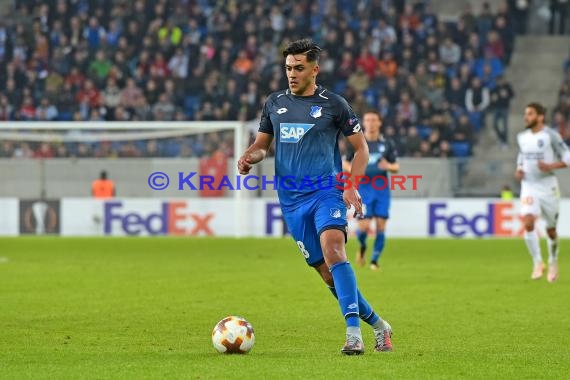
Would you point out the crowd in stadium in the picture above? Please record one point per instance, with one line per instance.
(103, 60)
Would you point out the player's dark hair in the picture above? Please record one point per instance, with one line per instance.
(103, 175)
(375, 112)
(305, 46)
(538, 108)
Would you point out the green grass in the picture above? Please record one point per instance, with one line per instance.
(144, 308)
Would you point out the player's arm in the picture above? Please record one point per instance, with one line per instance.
(360, 158)
(352, 131)
(255, 153)
(357, 170)
(390, 163)
(258, 150)
(347, 160)
(561, 150)
(519, 174)
(392, 167)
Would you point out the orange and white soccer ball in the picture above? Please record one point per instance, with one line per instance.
(233, 335)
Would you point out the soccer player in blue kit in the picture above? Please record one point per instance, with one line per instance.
(383, 159)
(306, 121)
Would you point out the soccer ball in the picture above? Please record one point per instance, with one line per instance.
(233, 335)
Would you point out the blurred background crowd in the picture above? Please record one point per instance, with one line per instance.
(433, 81)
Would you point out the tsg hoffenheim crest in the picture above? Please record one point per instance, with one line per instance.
(316, 111)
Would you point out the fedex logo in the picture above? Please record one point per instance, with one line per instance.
(293, 132)
(172, 218)
(496, 219)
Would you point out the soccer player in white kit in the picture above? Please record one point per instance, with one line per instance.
(541, 151)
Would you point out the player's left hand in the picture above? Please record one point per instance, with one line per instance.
(244, 164)
(352, 198)
(544, 166)
(384, 165)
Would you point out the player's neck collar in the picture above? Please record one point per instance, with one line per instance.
(318, 88)
(380, 137)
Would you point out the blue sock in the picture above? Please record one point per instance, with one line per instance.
(378, 246)
(366, 312)
(347, 292)
(362, 238)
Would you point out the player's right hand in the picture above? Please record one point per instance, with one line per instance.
(519, 174)
(351, 198)
(244, 164)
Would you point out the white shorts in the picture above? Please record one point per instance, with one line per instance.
(541, 199)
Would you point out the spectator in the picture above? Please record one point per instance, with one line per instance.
(485, 21)
(463, 130)
(367, 62)
(99, 69)
(359, 80)
(190, 52)
(477, 100)
(560, 124)
(435, 95)
(495, 47)
(89, 95)
(387, 65)
(28, 110)
(130, 95)
(406, 110)
(455, 94)
(178, 64)
(450, 52)
(103, 188)
(111, 96)
(46, 111)
(500, 101)
(94, 33)
(45, 151)
(413, 142)
(164, 109)
(443, 150)
(5, 109)
(558, 15)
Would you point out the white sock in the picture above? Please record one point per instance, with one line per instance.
(552, 250)
(379, 325)
(533, 245)
(354, 331)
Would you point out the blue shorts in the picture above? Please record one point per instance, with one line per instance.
(311, 218)
(376, 204)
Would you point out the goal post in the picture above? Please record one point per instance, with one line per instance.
(37, 132)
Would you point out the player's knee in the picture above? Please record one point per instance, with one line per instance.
(551, 232)
(528, 222)
(333, 246)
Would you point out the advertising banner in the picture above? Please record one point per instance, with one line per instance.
(409, 218)
(9, 217)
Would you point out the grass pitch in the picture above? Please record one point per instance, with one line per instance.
(144, 308)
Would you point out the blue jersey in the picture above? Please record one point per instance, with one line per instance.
(381, 148)
(306, 131)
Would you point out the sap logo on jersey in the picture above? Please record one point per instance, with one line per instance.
(293, 132)
(171, 218)
(498, 219)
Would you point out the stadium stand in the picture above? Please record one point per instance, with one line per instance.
(218, 60)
